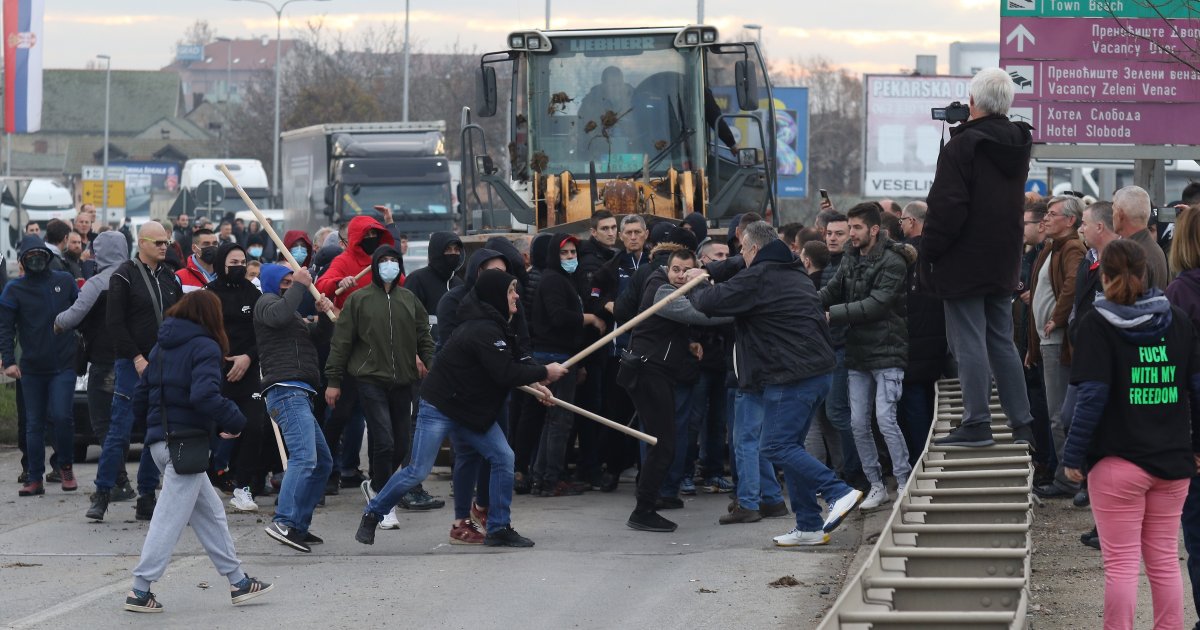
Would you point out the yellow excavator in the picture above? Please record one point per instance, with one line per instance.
(655, 121)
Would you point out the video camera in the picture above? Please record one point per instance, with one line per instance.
(956, 112)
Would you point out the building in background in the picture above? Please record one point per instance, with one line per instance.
(220, 71)
(967, 58)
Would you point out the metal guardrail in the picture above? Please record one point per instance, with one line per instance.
(955, 551)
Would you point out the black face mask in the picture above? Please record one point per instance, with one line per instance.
(235, 274)
(369, 244)
(452, 261)
(35, 263)
(208, 254)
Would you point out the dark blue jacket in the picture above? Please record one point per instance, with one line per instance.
(28, 307)
(186, 366)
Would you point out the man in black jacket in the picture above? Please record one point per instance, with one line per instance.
(971, 253)
(431, 282)
(139, 292)
(783, 346)
(926, 344)
(291, 376)
(463, 395)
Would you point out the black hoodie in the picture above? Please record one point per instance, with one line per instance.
(237, 311)
(447, 310)
(431, 282)
(557, 310)
(478, 367)
(972, 242)
(537, 260)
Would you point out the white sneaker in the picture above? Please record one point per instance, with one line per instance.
(797, 538)
(840, 508)
(876, 497)
(368, 492)
(243, 501)
(390, 521)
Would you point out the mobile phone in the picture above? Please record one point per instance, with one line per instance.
(824, 194)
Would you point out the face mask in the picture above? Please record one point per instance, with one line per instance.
(300, 253)
(35, 263)
(236, 274)
(256, 251)
(389, 270)
(571, 265)
(208, 255)
(369, 244)
(453, 261)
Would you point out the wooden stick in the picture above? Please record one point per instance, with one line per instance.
(279, 443)
(619, 330)
(645, 437)
(358, 276)
(262, 221)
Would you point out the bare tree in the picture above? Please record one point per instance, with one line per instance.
(198, 34)
(1189, 55)
(835, 121)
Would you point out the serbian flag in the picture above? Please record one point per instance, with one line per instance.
(23, 65)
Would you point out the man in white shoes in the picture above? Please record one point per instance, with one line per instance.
(783, 347)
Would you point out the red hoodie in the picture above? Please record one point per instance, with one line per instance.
(353, 259)
(298, 236)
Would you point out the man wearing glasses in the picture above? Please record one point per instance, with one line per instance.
(139, 292)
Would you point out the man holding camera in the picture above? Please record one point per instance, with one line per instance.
(971, 254)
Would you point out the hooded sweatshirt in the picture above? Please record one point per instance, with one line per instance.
(1184, 293)
(537, 264)
(287, 350)
(557, 310)
(28, 307)
(184, 377)
(1135, 376)
(975, 207)
(447, 310)
(380, 333)
(89, 310)
(353, 260)
(294, 237)
(237, 311)
(431, 282)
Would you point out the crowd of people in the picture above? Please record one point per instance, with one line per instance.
(808, 356)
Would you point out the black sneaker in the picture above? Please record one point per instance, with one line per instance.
(54, 476)
(142, 602)
(122, 492)
(669, 503)
(507, 537)
(288, 536)
(332, 487)
(741, 515)
(979, 434)
(419, 500)
(99, 506)
(248, 589)
(773, 510)
(1052, 491)
(649, 522)
(1091, 539)
(366, 529)
(145, 507)
(313, 539)
(352, 481)
(608, 482)
(23, 477)
(1024, 435)
(521, 483)
(1082, 498)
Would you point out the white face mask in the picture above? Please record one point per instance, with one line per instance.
(389, 270)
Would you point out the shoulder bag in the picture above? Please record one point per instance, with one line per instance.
(188, 448)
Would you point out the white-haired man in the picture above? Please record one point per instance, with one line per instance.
(971, 254)
(1131, 216)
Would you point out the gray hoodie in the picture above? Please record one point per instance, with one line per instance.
(111, 249)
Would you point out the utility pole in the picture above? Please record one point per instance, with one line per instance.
(405, 112)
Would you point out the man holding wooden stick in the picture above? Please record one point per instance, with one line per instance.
(290, 377)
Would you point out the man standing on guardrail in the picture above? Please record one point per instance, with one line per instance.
(783, 346)
(971, 255)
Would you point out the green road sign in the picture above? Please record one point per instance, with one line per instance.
(1171, 9)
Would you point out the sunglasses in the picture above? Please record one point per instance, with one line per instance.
(156, 243)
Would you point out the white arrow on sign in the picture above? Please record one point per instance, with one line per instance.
(1020, 34)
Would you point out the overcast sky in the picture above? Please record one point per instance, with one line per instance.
(863, 35)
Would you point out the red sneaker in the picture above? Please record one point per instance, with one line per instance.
(465, 534)
(31, 488)
(68, 479)
(479, 516)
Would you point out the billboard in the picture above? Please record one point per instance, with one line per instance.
(189, 52)
(791, 134)
(23, 65)
(902, 142)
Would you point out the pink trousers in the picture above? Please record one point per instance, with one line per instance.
(1137, 515)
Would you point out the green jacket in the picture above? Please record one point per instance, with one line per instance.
(378, 337)
(868, 294)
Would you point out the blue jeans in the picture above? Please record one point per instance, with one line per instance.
(683, 415)
(432, 428)
(708, 420)
(48, 400)
(916, 417)
(756, 476)
(787, 411)
(309, 461)
(550, 464)
(470, 480)
(837, 409)
(112, 454)
(878, 391)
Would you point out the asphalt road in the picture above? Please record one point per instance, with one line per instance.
(587, 570)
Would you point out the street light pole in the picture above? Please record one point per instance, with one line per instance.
(228, 86)
(405, 112)
(278, 47)
(104, 169)
(547, 15)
